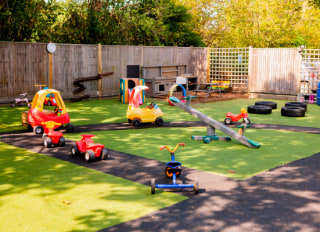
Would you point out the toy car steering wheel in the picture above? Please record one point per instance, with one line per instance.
(57, 110)
(151, 106)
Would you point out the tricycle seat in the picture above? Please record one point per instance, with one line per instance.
(173, 164)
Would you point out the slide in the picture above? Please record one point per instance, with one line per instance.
(213, 123)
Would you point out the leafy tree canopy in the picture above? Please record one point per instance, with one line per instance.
(135, 22)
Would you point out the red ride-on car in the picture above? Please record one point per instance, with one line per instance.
(51, 137)
(230, 117)
(90, 150)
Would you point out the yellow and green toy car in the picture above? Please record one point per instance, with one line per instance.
(137, 115)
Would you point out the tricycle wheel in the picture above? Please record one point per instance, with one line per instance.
(196, 187)
(38, 130)
(246, 121)
(47, 142)
(153, 186)
(169, 173)
(228, 121)
(74, 150)
(136, 122)
(159, 121)
(89, 156)
(104, 154)
(69, 128)
(62, 142)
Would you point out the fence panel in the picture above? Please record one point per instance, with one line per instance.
(274, 71)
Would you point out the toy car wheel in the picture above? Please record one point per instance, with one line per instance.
(47, 142)
(196, 187)
(104, 154)
(89, 156)
(169, 173)
(159, 121)
(38, 130)
(30, 127)
(69, 128)
(62, 142)
(153, 186)
(228, 121)
(74, 150)
(136, 122)
(246, 121)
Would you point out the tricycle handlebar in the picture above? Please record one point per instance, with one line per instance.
(179, 144)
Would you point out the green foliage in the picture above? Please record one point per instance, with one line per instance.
(139, 22)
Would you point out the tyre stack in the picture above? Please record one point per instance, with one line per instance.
(294, 109)
(262, 107)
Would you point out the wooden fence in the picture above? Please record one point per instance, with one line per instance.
(260, 71)
(274, 71)
(23, 65)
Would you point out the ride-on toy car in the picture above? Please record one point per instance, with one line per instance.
(90, 149)
(37, 114)
(230, 117)
(172, 171)
(51, 137)
(137, 115)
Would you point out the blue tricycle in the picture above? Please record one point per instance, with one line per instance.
(172, 171)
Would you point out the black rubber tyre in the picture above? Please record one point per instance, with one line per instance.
(228, 121)
(62, 142)
(89, 156)
(104, 154)
(74, 150)
(293, 111)
(273, 105)
(196, 187)
(38, 130)
(259, 109)
(69, 128)
(153, 186)
(47, 142)
(136, 122)
(297, 104)
(169, 174)
(159, 121)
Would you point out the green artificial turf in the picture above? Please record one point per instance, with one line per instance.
(112, 111)
(219, 157)
(40, 193)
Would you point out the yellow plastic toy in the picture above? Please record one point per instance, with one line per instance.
(137, 115)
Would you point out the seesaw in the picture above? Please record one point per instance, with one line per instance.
(213, 124)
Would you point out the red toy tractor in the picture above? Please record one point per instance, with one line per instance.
(90, 150)
(51, 137)
(230, 117)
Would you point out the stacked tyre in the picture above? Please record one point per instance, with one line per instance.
(294, 109)
(262, 107)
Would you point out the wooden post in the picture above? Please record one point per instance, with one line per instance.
(208, 64)
(99, 70)
(50, 70)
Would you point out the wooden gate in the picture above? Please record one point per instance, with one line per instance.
(274, 71)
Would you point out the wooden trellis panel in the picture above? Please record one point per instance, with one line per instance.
(229, 64)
